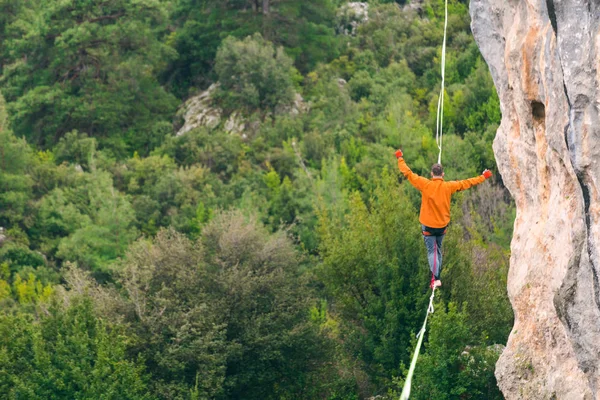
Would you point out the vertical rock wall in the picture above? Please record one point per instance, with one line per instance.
(544, 57)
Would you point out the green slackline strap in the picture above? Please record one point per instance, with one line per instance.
(406, 389)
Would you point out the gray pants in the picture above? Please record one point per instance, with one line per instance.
(434, 253)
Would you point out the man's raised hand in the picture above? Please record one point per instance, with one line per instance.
(398, 153)
(487, 174)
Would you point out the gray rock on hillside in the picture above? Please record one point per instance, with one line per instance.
(352, 15)
(200, 111)
(544, 57)
(414, 6)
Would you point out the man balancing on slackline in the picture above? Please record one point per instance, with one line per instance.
(435, 208)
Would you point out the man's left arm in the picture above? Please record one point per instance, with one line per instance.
(465, 184)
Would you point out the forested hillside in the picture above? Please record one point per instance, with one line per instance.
(279, 260)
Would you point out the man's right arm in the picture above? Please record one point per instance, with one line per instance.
(417, 181)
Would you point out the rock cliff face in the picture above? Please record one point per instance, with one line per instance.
(544, 57)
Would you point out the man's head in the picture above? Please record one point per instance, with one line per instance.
(437, 171)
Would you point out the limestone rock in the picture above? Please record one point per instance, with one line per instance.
(543, 56)
(199, 111)
(414, 6)
(235, 123)
(351, 16)
(297, 107)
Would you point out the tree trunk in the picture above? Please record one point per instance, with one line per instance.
(266, 7)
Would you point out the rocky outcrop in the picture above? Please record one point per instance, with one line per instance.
(201, 111)
(414, 6)
(352, 15)
(543, 56)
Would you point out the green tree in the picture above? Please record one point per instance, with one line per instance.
(304, 29)
(375, 272)
(76, 148)
(254, 75)
(179, 326)
(227, 314)
(106, 229)
(3, 116)
(70, 353)
(15, 185)
(452, 367)
(164, 194)
(88, 66)
(267, 305)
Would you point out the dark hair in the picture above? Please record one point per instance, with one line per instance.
(437, 170)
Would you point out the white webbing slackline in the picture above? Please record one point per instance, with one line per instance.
(407, 383)
(439, 133)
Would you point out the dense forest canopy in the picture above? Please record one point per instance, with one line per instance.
(280, 261)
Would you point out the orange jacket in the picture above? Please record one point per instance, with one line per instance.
(435, 195)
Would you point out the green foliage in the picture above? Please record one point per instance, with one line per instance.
(3, 115)
(77, 148)
(218, 151)
(254, 75)
(452, 368)
(86, 66)
(284, 262)
(475, 277)
(31, 290)
(15, 184)
(304, 29)
(92, 222)
(373, 267)
(180, 334)
(69, 353)
(18, 255)
(235, 303)
(164, 194)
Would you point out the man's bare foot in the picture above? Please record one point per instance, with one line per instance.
(437, 283)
